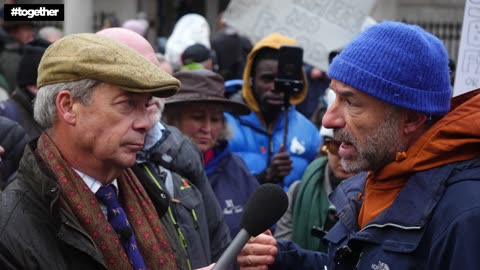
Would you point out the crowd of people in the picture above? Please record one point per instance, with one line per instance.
(114, 155)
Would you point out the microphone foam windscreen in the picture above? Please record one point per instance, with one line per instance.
(264, 207)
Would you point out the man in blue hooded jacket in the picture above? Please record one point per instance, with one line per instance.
(258, 137)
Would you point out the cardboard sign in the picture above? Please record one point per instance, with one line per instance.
(467, 75)
(319, 26)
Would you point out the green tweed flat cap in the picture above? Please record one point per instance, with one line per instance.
(90, 56)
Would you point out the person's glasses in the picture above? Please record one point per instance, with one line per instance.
(331, 146)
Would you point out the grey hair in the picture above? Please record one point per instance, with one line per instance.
(44, 107)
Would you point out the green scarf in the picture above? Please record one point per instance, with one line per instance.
(310, 206)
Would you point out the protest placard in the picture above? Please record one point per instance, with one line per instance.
(319, 26)
(467, 75)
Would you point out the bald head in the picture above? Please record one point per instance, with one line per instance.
(132, 40)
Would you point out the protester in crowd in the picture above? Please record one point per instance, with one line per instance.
(108, 21)
(92, 99)
(12, 142)
(50, 33)
(259, 137)
(310, 214)
(188, 30)
(19, 33)
(197, 56)
(20, 105)
(416, 205)
(231, 50)
(197, 111)
(201, 227)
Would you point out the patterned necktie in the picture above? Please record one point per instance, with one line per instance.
(118, 219)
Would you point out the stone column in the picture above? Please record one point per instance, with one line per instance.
(78, 16)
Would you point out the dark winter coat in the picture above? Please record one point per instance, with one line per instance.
(13, 140)
(36, 233)
(232, 184)
(20, 109)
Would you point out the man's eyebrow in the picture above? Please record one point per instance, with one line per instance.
(343, 92)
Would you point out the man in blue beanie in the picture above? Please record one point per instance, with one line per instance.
(413, 203)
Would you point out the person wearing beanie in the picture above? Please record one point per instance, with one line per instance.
(20, 105)
(414, 202)
(197, 56)
(18, 33)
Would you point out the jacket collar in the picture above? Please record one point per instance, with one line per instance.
(427, 187)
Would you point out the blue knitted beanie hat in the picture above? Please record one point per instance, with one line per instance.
(398, 63)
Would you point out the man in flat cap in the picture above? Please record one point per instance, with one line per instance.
(75, 203)
(171, 161)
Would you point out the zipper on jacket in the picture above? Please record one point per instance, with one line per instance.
(172, 217)
(197, 228)
(194, 216)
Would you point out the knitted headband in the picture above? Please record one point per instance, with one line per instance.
(398, 63)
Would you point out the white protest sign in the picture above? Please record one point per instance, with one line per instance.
(319, 26)
(467, 75)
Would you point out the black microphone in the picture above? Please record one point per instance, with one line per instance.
(264, 207)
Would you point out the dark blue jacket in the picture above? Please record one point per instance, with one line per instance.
(232, 184)
(432, 224)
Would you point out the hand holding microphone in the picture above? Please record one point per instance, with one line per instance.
(266, 205)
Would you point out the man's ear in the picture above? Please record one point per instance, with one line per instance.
(65, 107)
(413, 121)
